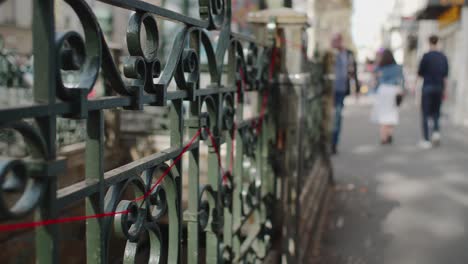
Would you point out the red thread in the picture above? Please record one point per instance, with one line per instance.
(17, 226)
(273, 63)
(218, 155)
(262, 109)
(12, 227)
(166, 172)
(262, 112)
(239, 86)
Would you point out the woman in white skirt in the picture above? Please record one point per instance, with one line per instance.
(390, 86)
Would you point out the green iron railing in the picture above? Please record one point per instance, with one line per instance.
(140, 203)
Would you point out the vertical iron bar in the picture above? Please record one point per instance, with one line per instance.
(227, 211)
(94, 169)
(237, 202)
(177, 125)
(266, 136)
(258, 244)
(212, 243)
(230, 135)
(47, 236)
(260, 133)
(238, 174)
(44, 52)
(44, 92)
(191, 216)
(211, 238)
(300, 171)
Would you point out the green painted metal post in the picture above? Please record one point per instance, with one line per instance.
(177, 130)
(94, 170)
(238, 175)
(44, 92)
(227, 214)
(191, 215)
(212, 243)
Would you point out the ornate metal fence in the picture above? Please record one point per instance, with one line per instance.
(140, 204)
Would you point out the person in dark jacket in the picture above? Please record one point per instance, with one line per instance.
(434, 69)
(342, 72)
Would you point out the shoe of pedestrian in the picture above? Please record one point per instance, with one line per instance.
(425, 144)
(334, 150)
(435, 139)
(388, 141)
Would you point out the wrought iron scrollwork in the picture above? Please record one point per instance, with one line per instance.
(143, 64)
(215, 12)
(25, 177)
(228, 112)
(207, 211)
(76, 54)
(140, 203)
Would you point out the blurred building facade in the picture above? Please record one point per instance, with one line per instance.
(15, 25)
(328, 17)
(16, 19)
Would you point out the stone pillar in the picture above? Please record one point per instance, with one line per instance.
(298, 115)
(291, 25)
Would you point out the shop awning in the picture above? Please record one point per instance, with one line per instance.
(434, 8)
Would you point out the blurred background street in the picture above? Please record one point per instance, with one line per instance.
(397, 204)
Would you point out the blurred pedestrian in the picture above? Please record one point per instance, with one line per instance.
(434, 70)
(344, 71)
(389, 94)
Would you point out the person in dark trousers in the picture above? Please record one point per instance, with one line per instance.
(434, 70)
(343, 70)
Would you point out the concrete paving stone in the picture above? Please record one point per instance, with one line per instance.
(406, 205)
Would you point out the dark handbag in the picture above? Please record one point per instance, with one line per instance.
(399, 99)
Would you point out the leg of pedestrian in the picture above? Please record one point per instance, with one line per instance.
(437, 102)
(337, 128)
(425, 109)
(339, 104)
(391, 128)
(383, 135)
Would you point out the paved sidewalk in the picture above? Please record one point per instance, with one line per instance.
(397, 204)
